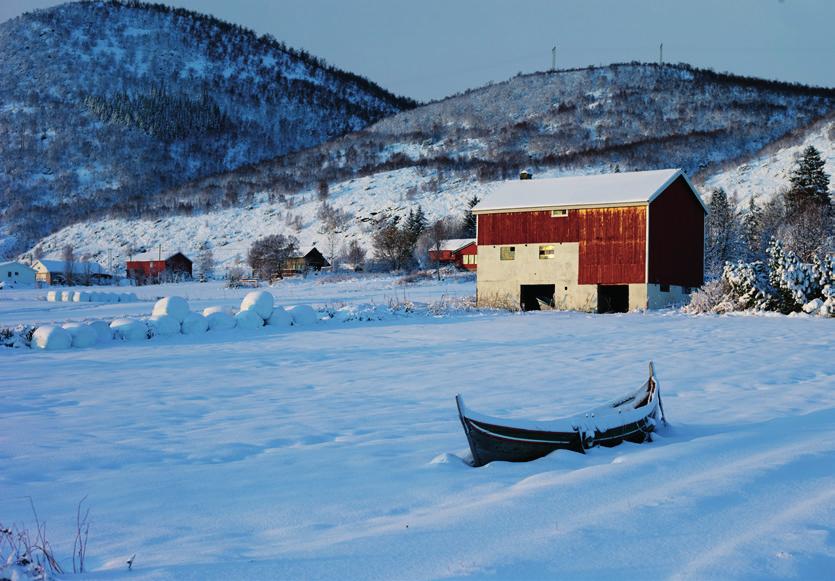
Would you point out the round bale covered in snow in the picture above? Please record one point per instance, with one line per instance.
(280, 318)
(129, 329)
(177, 307)
(248, 320)
(164, 324)
(194, 324)
(259, 301)
(103, 330)
(51, 337)
(82, 335)
(219, 318)
(303, 315)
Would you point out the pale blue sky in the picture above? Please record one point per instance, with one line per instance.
(428, 49)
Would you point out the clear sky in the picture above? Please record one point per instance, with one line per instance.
(427, 49)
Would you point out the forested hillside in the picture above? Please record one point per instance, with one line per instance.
(104, 104)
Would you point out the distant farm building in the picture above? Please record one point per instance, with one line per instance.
(53, 271)
(16, 274)
(461, 252)
(312, 260)
(613, 242)
(151, 268)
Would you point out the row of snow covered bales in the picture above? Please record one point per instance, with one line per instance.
(172, 316)
(89, 297)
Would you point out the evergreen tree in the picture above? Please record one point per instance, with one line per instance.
(722, 234)
(205, 261)
(752, 229)
(470, 218)
(809, 183)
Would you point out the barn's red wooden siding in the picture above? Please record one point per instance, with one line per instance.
(676, 237)
(612, 245)
(527, 228)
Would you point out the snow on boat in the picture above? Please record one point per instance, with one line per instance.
(631, 418)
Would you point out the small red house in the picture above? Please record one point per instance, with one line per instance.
(150, 268)
(461, 252)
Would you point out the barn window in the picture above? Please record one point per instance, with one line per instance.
(665, 288)
(546, 252)
(507, 253)
(559, 213)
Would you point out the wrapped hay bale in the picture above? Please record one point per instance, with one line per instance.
(177, 307)
(129, 329)
(53, 296)
(248, 320)
(194, 324)
(82, 335)
(164, 325)
(51, 337)
(259, 301)
(219, 318)
(280, 318)
(66, 296)
(303, 315)
(103, 331)
(81, 297)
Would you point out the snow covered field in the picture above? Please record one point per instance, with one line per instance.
(334, 451)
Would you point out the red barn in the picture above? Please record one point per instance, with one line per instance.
(458, 251)
(149, 267)
(611, 242)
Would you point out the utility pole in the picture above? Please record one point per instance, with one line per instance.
(554, 58)
(661, 54)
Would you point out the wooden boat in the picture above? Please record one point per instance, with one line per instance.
(630, 418)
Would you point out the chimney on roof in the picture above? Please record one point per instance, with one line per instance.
(525, 174)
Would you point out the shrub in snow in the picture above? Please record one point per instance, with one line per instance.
(748, 285)
(280, 318)
(177, 307)
(795, 282)
(17, 337)
(219, 318)
(164, 325)
(813, 307)
(303, 315)
(53, 296)
(82, 335)
(103, 330)
(248, 320)
(66, 296)
(129, 329)
(259, 301)
(194, 324)
(51, 337)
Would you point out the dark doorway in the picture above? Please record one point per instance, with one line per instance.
(612, 299)
(530, 296)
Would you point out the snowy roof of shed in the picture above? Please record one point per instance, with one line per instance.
(603, 190)
(16, 264)
(78, 267)
(454, 244)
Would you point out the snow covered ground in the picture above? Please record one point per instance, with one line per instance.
(334, 452)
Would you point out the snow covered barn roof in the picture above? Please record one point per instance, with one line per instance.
(152, 255)
(59, 266)
(596, 191)
(454, 244)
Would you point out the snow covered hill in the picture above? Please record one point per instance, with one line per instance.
(105, 103)
(767, 172)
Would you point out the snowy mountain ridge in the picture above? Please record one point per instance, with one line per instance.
(106, 103)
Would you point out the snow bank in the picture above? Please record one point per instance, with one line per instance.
(303, 315)
(280, 318)
(82, 335)
(219, 318)
(177, 307)
(129, 329)
(259, 301)
(51, 337)
(194, 323)
(103, 330)
(164, 325)
(248, 320)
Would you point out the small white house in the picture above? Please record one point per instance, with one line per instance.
(14, 274)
